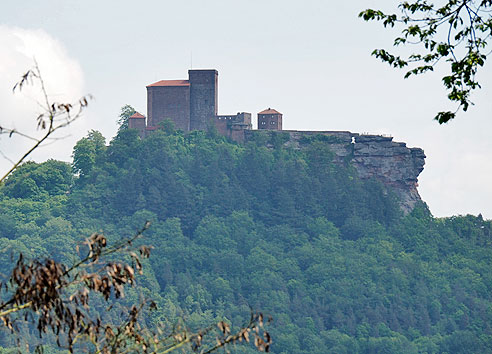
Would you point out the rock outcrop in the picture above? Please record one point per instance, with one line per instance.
(373, 156)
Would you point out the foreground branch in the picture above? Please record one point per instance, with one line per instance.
(56, 116)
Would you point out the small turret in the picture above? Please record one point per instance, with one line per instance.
(137, 121)
(270, 119)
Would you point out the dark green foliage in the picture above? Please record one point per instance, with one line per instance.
(126, 112)
(330, 257)
(86, 152)
(37, 181)
(167, 125)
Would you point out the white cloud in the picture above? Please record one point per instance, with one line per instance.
(64, 82)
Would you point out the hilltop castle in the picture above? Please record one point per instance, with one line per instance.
(193, 105)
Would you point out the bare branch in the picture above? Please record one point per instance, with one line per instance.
(54, 113)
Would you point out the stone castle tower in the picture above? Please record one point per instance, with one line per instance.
(270, 119)
(203, 98)
(191, 104)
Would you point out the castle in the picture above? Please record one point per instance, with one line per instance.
(193, 105)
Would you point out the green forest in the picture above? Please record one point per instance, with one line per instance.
(237, 227)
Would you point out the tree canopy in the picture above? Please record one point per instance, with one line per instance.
(235, 227)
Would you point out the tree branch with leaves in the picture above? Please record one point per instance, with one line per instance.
(456, 32)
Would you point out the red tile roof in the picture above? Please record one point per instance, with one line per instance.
(137, 115)
(269, 111)
(170, 83)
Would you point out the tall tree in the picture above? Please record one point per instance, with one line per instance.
(86, 151)
(126, 112)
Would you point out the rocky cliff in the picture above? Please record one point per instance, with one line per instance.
(373, 156)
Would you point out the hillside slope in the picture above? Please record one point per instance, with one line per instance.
(330, 256)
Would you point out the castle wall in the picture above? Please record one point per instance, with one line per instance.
(169, 102)
(236, 132)
(244, 117)
(203, 98)
(233, 126)
(223, 122)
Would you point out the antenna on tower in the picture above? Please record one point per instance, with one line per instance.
(191, 59)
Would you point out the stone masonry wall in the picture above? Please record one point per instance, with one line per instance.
(169, 102)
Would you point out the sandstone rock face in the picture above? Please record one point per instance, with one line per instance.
(373, 156)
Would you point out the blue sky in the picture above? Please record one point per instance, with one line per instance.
(310, 60)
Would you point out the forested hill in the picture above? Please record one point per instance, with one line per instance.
(329, 256)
